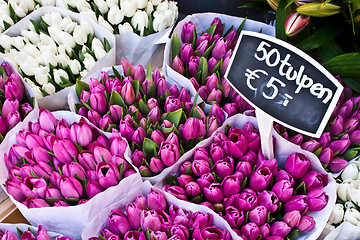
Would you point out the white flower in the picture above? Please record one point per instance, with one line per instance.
(102, 22)
(19, 7)
(329, 226)
(84, 49)
(111, 3)
(163, 6)
(337, 214)
(129, 7)
(115, 15)
(162, 20)
(47, 2)
(49, 57)
(67, 24)
(30, 4)
(352, 216)
(125, 28)
(46, 40)
(89, 61)
(59, 74)
(98, 48)
(18, 42)
(141, 4)
(348, 205)
(54, 32)
(32, 50)
(31, 36)
(49, 88)
(37, 91)
(71, 3)
(5, 41)
(140, 21)
(74, 66)
(83, 73)
(63, 49)
(29, 82)
(102, 6)
(52, 18)
(51, 48)
(63, 59)
(354, 190)
(4, 9)
(156, 2)
(29, 65)
(350, 172)
(82, 5)
(90, 14)
(80, 36)
(5, 18)
(174, 9)
(42, 74)
(67, 39)
(149, 8)
(343, 190)
(87, 27)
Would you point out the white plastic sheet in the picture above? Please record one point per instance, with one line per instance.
(58, 101)
(70, 220)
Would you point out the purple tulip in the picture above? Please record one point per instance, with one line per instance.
(70, 169)
(178, 65)
(116, 113)
(213, 193)
(244, 167)
(192, 189)
(200, 167)
(9, 106)
(264, 230)
(337, 164)
(317, 199)
(15, 191)
(172, 104)
(280, 229)
(211, 232)
(201, 220)
(98, 102)
(283, 190)
(156, 200)
(169, 154)
(194, 128)
(216, 111)
(325, 156)
(258, 215)
(81, 133)
(187, 33)
(161, 87)
(230, 109)
(340, 146)
(234, 217)
(172, 139)
(193, 65)
(231, 185)
(105, 122)
(184, 95)
(137, 157)
(93, 188)
(203, 46)
(247, 200)
(12, 119)
(70, 187)
(311, 145)
(176, 191)
(151, 220)
(292, 219)
(355, 137)
(14, 87)
(297, 202)
(36, 203)
(250, 231)
(118, 223)
(307, 224)
(118, 145)
(260, 179)
(214, 95)
(186, 52)
(268, 199)
(33, 141)
(203, 92)
(94, 117)
(180, 230)
(158, 235)
(314, 180)
(336, 126)
(219, 49)
(212, 81)
(133, 214)
(139, 73)
(156, 165)
(108, 174)
(174, 91)
(297, 165)
(2, 126)
(65, 151)
(42, 170)
(154, 115)
(138, 136)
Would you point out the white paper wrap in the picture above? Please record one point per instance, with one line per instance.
(58, 101)
(345, 231)
(282, 149)
(202, 22)
(70, 220)
(25, 227)
(94, 228)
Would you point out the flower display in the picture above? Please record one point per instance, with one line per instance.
(143, 17)
(204, 59)
(15, 107)
(154, 217)
(59, 164)
(161, 123)
(256, 197)
(53, 52)
(40, 234)
(339, 143)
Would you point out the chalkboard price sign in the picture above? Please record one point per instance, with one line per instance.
(284, 82)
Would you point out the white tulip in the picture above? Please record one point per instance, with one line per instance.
(352, 216)
(102, 22)
(83, 73)
(162, 20)
(90, 14)
(329, 226)
(67, 39)
(80, 36)
(174, 9)
(350, 172)
(343, 190)
(62, 4)
(71, 3)
(32, 50)
(29, 65)
(115, 15)
(156, 2)
(5, 18)
(96, 43)
(74, 66)
(87, 27)
(67, 24)
(20, 8)
(63, 59)
(84, 49)
(141, 4)
(48, 58)
(42, 74)
(111, 3)
(49, 88)
(140, 21)
(337, 214)
(37, 91)
(47, 2)
(89, 61)
(18, 42)
(50, 48)
(129, 7)
(98, 48)
(102, 6)
(52, 18)
(46, 40)
(63, 49)
(149, 8)
(82, 5)
(163, 6)
(125, 28)
(59, 74)
(30, 4)
(54, 32)
(31, 36)
(4, 8)
(348, 205)
(5, 41)
(354, 190)
(29, 82)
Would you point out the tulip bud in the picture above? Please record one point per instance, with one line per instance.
(350, 172)
(297, 165)
(307, 223)
(319, 9)
(317, 199)
(295, 23)
(258, 215)
(260, 179)
(234, 217)
(187, 33)
(337, 214)
(292, 218)
(250, 231)
(178, 65)
(280, 229)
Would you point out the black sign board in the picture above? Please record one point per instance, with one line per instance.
(284, 82)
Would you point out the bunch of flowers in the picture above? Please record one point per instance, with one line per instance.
(152, 217)
(12, 11)
(204, 59)
(255, 196)
(348, 191)
(160, 122)
(340, 141)
(41, 234)
(14, 106)
(57, 164)
(52, 53)
(143, 17)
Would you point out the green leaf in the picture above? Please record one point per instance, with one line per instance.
(149, 73)
(151, 25)
(148, 147)
(289, 2)
(107, 45)
(241, 27)
(116, 73)
(319, 37)
(257, 5)
(319, 9)
(353, 83)
(144, 109)
(6, 25)
(345, 65)
(136, 85)
(281, 15)
(13, 15)
(116, 99)
(175, 46)
(89, 40)
(329, 50)
(208, 51)
(229, 30)
(175, 117)
(77, 107)
(203, 67)
(300, 189)
(19, 232)
(152, 91)
(80, 86)
(211, 29)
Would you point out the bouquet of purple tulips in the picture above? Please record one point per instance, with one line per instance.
(8, 232)
(14, 106)
(55, 163)
(254, 195)
(159, 121)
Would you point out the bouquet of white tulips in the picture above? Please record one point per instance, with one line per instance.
(52, 50)
(12, 11)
